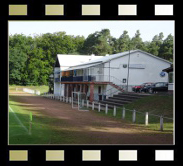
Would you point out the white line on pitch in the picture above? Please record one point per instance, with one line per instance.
(21, 124)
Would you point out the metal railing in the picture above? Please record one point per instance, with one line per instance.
(146, 118)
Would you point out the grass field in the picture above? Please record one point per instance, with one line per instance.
(157, 105)
(43, 128)
(57, 123)
(42, 88)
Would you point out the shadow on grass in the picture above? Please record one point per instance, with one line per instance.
(59, 130)
(153, 121)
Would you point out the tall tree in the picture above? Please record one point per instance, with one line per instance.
(123, 42)
(98, 43)
(167, 48)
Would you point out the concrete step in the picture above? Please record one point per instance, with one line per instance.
(127, 96)
(111, 103)
(122, 98)
(134, 94)
(118, 101)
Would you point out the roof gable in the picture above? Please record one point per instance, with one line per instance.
(66, 61)
(119, 55)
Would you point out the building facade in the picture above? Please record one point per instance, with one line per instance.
(104, 76)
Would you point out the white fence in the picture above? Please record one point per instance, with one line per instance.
(36, 92)
(95, 105)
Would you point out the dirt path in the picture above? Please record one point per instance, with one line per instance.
(89, 126)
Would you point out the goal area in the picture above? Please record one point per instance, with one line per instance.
(79, 101)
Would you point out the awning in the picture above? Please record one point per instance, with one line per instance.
(169, 69)
(82, 67)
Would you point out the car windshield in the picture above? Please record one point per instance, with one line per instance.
(148, 84)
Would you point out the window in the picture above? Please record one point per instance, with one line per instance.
(159, 84)
(99, 89)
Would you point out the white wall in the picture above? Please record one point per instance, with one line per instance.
(151, 72)
(170, 86)
(57, 85)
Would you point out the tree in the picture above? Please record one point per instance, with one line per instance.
(137, 43)
(167, 48)
(98, 43)
(17, 61)
(123, 42)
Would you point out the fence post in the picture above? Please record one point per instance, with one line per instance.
(93, 105)
(134, 116)
(161, 123)
(123, 113)
(146, 119)
(63, 98)
(87, 103)
(106, 108)
(98, 107)
(70, 99)
(114, 112)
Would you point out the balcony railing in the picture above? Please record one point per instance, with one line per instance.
(57, 79)
(76, 79)
(93, 78)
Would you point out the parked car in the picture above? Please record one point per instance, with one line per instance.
(158, 87)
(139, 87)
(145, 88)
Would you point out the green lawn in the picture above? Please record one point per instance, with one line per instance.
(157, 105)
(44, 129)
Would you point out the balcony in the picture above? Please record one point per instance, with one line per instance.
(57, 79)
(77, 79)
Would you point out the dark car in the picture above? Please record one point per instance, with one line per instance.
(139, 87)
(158, 87)
(145, 88)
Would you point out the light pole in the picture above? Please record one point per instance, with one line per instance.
(128, 68)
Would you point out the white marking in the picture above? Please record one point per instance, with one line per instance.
(21, 124)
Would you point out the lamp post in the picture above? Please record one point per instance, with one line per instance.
(128, 68)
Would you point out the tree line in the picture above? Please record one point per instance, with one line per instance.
(32, 59)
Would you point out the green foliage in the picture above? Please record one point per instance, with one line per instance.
(98, 43)
(32, 59)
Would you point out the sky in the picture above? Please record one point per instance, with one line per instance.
(148, 29)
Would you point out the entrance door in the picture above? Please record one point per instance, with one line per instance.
(99, 93)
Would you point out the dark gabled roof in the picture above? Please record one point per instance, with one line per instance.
(169, 69)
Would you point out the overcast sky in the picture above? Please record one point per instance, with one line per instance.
(148, 29)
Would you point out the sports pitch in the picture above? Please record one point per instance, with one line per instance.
(55, 122)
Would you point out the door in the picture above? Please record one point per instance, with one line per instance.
(99, 93)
